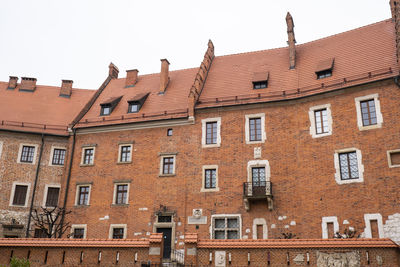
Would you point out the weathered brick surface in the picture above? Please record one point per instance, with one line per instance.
(302, 169)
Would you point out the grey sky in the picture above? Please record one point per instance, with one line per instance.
(77, 39)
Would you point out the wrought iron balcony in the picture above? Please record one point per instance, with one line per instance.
(257, 191)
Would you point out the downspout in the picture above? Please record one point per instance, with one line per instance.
(34, 188)
(67, 184)
(397, 81)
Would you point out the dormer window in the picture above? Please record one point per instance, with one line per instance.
(260, 80)
(324, 68)
(136, 103)
(108, 106)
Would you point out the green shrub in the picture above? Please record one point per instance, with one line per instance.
(15, 262)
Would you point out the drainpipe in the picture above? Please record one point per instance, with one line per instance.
(34, 187)
(67, 184)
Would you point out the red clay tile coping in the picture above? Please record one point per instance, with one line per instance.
(92, 243)
(332, 85)
(298, 243)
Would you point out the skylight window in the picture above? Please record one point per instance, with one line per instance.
(133, 107)
(108, 106)
(136, 103)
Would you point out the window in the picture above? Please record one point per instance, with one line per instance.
(88, 156)
(324, 68)
(167, 164)
(125, 153)
(27, 154)
(226, 227)
(320, 120)
(255, 128)
(169, 132)
(164, 218)
(52, 196)
(108, 106)
(368, 231)
(121, 192)
(348, 166)
(369, 114)
(258, 176)
(83, 195)
(326, 221)
(324, 74)
(19, 194)
(394, 158)
(58, 156)
(78, 231)
(210, 178)
(105, 110)
(117, 231)
(260, 80)
(211, 132)
(133, 107)
(260, 85)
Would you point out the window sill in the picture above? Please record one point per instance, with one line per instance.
(369, 127)
(81, 206)
(349, 181)
(210, 145)
(56, 165)
(124, 162)
(87, 165)
(167, 175)
(255, 142)
(18, 206)
(205, 190)
(321, 135)
(27, 163)
(119, 205)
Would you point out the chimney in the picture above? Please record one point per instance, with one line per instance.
(66, 88)
(131, 77)
(164, 76)
(393, 4)
(291, 41)
(28, 84)
(113, 71)
(12, 83)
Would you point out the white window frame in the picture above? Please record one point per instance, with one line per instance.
(372, 217)
(13, 193)
(52, 154)
(203, 182)
(389, 158)
(204, 132)
(247, 128)
(115, 193)
(83, 155)
(46, 191)
(162, 164)
(77, 194)
(311, 115)
(34, 154)
(112, 226)
(258, 163)
(1, 148)
(324, 224)
(120, 151)
(379, 118)
(223, 216)
(360, 166)
(73, 226)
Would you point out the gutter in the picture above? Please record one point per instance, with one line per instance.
(34, 187)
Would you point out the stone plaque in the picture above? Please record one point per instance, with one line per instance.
(220, 258)
(338, 259)
(191, 251)
(195, 220)
(257, 152)
(299, 259)
(154, 251)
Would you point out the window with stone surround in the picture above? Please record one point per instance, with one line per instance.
(52, 193)
(368, 110)
(255, 128)
(393, 158)
(27, 153)
(57, 156)
(167, 164)
(88, 153)
(348, 165)
(320, 120)
(19, 194)
(211, 132)
(210, 178)
(226, 226)
(78, 231)
(117, 231)
(121, 193)
(83, 195)
(125, 153)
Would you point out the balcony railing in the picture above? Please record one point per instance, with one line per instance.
(257, 190)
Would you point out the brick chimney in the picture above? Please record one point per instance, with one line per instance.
(393, 4)
(113, 71)
(28, 84)
(131, 77)
(66, 88)
(164, 75)
(12, 83)
(291, 41)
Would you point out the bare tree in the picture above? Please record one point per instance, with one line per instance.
(48, 220)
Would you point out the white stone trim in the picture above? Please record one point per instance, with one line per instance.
(112, 226)
(311, 115)
(73, 226)
(34, 154)
(52, 153)
(338, 178)
(325, 221)
(77, 194)
(1, 148)
(379, 117)
(389, 158)
(83, 155)
(247, 128)
(258, 163)
(204, 132)
(13, 192)
(203, 189)
(119, 153)
(371, 217)
(223, 216)
(260, 221)
(46, 190)
(162, 165)
(115, 193)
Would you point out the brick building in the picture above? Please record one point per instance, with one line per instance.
(300, 140)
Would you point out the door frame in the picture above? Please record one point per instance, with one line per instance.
(171, 225)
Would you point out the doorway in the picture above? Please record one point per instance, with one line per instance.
(167, 234)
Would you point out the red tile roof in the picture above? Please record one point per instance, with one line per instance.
(41, 111)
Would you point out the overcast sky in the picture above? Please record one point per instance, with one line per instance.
(77, 39)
